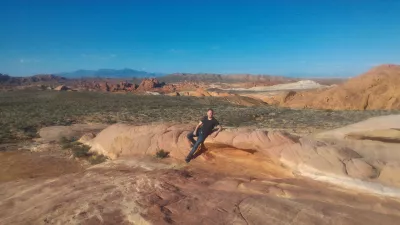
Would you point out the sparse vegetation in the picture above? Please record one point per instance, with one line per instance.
(161, 154)
(80, 150)
(22, 113)
(66, 143)
(97, 159)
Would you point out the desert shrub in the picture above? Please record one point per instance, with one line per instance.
(66, 143)
(161, 154)
(64, 140)
(96, 159)
(80, 150)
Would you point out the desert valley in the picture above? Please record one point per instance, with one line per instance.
(100, 150)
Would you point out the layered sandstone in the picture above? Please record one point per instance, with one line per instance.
(329, 156)
(378, 88)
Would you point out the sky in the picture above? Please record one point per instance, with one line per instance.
(282, 37)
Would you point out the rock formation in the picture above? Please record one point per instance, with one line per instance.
(244, 176)
(378, 88)
(149, 84)
(61, 88)
(328, 156)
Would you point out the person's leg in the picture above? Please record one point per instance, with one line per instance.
(190, 136)
(199, 141)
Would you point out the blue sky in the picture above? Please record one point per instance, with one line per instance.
(302, 37)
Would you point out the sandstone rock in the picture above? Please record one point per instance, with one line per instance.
(87, 137)
(120, 139)
(326, 156)
(174, 94)
(168, 88)
(381, 126)
(55, 133)
(389, 174)
(105, 86)
(376, 89)
(61, 88)
(256, 177)
(358, 168)
(388, 135)
(271, 210)
(299, 85)
(149, 84)
(202, 92)
(146, 191)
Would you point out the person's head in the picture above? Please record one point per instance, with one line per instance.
(210, 113)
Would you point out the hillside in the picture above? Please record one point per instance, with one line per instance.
(378, 88)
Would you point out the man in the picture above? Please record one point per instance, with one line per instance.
(202, 131)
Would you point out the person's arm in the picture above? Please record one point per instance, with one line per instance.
(197, 127)
(217, 131)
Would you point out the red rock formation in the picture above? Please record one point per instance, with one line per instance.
(149, 84)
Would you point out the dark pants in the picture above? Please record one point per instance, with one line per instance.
(200, 140)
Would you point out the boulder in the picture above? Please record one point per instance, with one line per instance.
(61, 88)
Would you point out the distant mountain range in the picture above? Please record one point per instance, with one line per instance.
(109, 73)
(205, 77)
(40, 78)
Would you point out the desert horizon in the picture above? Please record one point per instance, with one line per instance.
(200, 112)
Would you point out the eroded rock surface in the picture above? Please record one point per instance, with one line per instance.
(243, 176)
(327, 156)
(148, 191)
(74, 131)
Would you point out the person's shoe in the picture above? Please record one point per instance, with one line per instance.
(187, 160)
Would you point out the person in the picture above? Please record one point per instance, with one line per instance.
(205, 128)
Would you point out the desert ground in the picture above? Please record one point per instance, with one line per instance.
(112, 152)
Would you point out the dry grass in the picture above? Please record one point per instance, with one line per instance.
(22, 113)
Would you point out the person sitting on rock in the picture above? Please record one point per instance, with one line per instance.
(202, 131)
